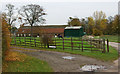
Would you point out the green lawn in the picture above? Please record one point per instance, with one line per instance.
(29, 64)
(111, 38)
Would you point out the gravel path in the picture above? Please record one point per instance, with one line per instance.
(59, 64)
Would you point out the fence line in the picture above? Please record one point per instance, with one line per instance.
(69, 43)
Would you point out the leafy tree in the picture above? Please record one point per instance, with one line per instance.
(97, 32)
(74, 22)
(91, 24)
(100, 20)
(99, 16)
(108, 29)
(32, 15)
(83, 23)
(116, 24)
(110, 19)
(103, 24)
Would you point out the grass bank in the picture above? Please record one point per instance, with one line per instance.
(18, 62)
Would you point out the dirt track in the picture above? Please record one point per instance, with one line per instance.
(59, 64)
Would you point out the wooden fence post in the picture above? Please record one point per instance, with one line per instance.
(107, 45)
(30, 41)
(35, 41)
(82, 45)
(104, 46)
(71, 44)
(91, 44)
(79, 43)
(20, 40)
(15, 40)
(101, 44)
(55, 41)
(63, 43)
(25, 40)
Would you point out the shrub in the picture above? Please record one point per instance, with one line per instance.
(97, 32)
(46, 40)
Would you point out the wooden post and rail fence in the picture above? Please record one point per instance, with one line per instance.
(65, 43)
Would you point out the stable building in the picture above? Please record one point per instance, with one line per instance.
(74, 31)
(50, 30)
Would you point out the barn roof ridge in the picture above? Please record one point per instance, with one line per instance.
(45, 26)
(73, 27)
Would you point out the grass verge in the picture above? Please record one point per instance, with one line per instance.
(19, 62)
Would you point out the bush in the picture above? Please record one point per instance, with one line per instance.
(46, 40)
(97, 32)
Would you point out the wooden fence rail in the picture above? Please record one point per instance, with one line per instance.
(63, 43)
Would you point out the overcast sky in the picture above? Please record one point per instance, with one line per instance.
(58, 11)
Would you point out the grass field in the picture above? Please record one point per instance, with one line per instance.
(59, 43)
(25, 64)
(111, 38)
(112, 55)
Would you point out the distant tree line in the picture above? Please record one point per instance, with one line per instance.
(98, 24)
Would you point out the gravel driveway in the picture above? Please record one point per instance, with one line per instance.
(59, 64)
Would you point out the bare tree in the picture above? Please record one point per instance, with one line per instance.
(32, 15)
(10, 15)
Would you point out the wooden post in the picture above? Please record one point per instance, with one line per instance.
(35, 41)
(40, 45)
(104, 46)
(55, 41)
(71, 44)
(79, 43)
(55, 44)
(25, 41)
(20, 40)
(107, 45)
(30, 41)
(63, 43)
(15, 40)
(82, 45)
(47, 43)
(99, 43)
(91, 44)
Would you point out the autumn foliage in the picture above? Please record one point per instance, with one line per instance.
(5, 35)
(98, 24)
